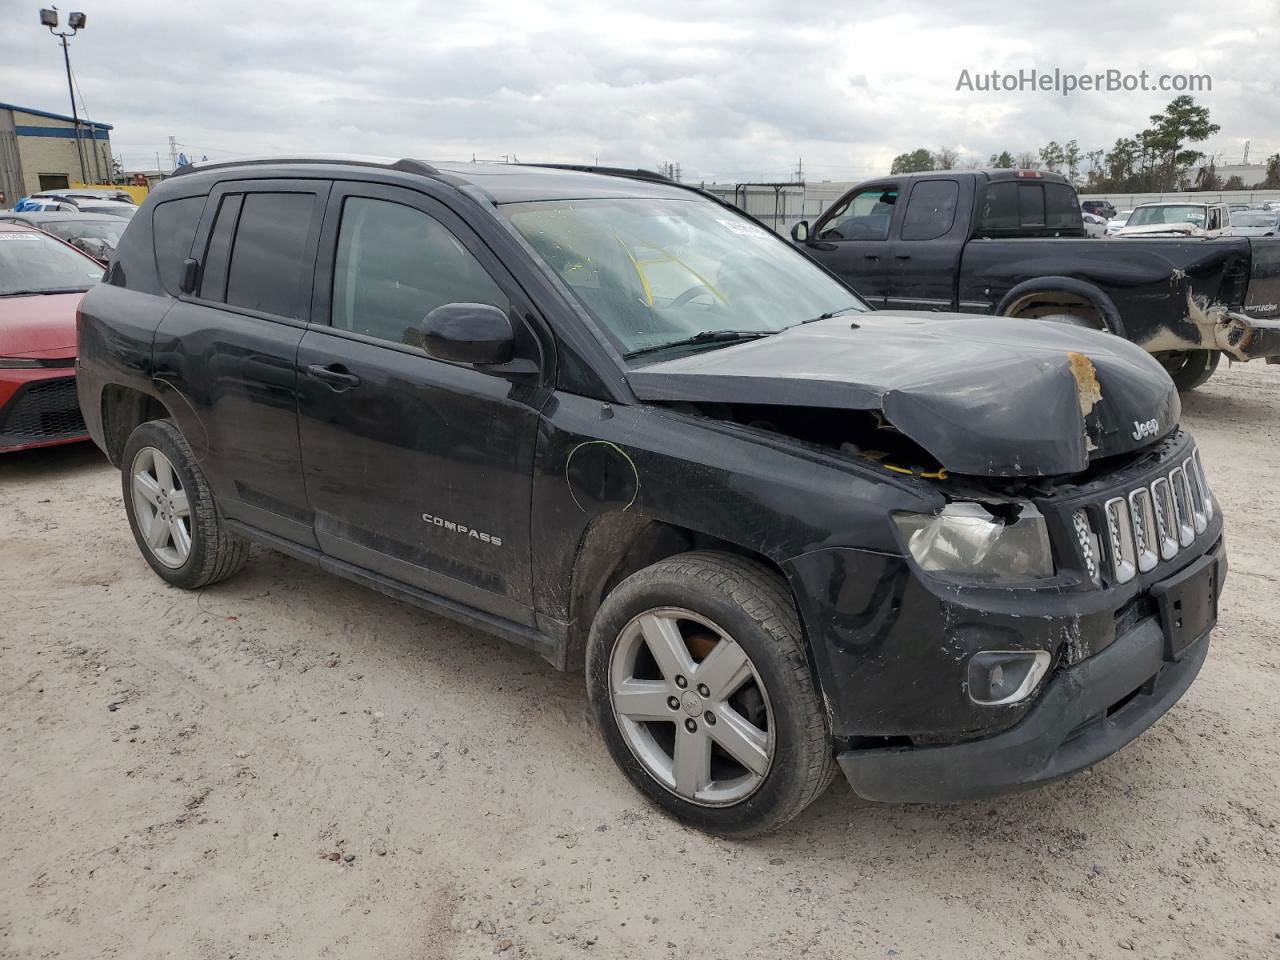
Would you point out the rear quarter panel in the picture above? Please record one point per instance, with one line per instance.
(1150, 282)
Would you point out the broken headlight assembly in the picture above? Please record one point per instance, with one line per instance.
(967, 542)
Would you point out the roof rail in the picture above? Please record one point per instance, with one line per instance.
(404, 165)
(636, 174)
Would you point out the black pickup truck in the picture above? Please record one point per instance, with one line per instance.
(1011, 242)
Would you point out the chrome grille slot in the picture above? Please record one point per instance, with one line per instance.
(1199, 518)
(1166, 531)
(1145, 538)
(1120, 537)
(1182, 506)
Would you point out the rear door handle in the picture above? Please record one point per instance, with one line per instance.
(871, 256)
(337, 376)
(902, 256)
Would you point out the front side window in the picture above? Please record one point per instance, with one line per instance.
(656, 272)
(32, 262)
(394, 265)
(932, 209)
(864, 216)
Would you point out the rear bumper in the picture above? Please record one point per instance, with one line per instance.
(1248, 338)
(1086, 713)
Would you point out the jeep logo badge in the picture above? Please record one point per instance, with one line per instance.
(1145, 428)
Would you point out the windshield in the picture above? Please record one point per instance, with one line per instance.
(34, 263)
(1149, 216)
(657, 272)
(104, 230)
(1253, 220)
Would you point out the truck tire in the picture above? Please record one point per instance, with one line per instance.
(1189, 368)
(700, 684)
(171, 511)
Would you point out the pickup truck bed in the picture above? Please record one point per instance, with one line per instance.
(953, 241)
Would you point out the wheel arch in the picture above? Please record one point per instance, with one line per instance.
(124, 409)
(1039, 292)
(620, 543)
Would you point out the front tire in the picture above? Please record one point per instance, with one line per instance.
(699, 682)
(171, 511)
(1189, 368)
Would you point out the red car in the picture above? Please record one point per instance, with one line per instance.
(42, 281)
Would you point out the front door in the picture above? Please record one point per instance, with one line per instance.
(852, 239)
(417, 469)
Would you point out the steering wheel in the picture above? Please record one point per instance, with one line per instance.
(697, 290)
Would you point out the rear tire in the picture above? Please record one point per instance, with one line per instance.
(171, 511)
(1189, 368)
(760, 740)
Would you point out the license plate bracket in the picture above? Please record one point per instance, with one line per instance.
(1188, 603)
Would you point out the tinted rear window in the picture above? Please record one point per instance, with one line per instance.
(173, 228)
(1011, 206)
(268, 258)
(932, 209)
(1061, 211)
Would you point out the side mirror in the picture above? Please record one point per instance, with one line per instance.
(468, 333)
(190, 273)
(800, 232)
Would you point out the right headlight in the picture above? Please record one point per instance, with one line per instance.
(965, 541)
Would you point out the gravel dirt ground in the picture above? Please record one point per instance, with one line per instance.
(287, 765)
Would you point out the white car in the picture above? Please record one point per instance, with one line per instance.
(1118, 221)
(1177, 220)
(1094, 225)
(1254, 223)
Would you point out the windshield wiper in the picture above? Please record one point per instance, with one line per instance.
(39, 293)
(706, 336)
(832, 313)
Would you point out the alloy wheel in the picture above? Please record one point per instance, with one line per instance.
(161, 507)
(691, 707)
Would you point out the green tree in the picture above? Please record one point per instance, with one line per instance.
(1167, 141)
(1051, 155)
(1071, 157)
(914, 162)
(1003, 160)
(1273, 173)
(1234, 183)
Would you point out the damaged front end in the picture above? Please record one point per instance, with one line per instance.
(1057, 597)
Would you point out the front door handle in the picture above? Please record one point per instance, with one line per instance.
(337, 376)
(902, 256)
(870, 256)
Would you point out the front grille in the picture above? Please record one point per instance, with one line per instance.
(1148, 523)
(42, 410)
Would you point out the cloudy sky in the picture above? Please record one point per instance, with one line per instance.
(730, 90)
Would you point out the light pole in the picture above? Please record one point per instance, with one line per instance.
(76, 21)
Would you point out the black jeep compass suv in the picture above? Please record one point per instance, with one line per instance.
(620, 423)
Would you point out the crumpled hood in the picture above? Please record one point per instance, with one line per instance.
(1162, 229)
(988, 396)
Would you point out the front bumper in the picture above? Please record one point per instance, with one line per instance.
(39, 408)
(1086, 713)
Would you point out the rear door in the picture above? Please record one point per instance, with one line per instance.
(852, 239)
(226, 354)
(926, 245)
(417, 469)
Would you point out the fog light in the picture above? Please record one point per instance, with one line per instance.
(1005, 676)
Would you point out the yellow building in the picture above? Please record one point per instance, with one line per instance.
(38, 151)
